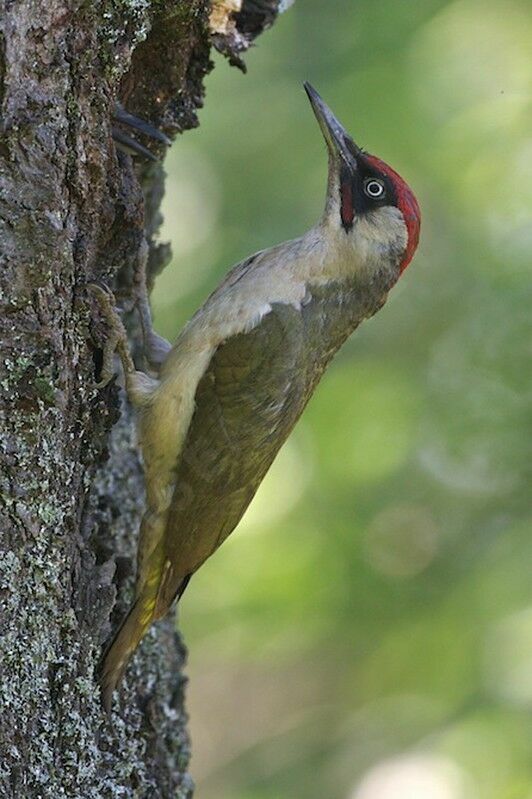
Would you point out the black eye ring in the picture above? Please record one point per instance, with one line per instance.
(374, 188)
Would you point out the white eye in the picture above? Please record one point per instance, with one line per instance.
(374, 188)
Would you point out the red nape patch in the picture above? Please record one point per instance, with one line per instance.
(347, 211)
(407, 204)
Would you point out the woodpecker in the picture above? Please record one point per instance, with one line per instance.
(232, 387)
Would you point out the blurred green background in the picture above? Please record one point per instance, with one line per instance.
(367, 631)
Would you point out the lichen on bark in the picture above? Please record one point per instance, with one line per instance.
(72, 210)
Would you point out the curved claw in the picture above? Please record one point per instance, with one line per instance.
(130, 145)
(131, 121)
(117, 339)
(156, 348)
(102, 292)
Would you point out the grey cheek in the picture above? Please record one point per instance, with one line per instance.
(391, 251)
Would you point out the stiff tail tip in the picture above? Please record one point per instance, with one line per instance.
(119, 653)
(109, 681)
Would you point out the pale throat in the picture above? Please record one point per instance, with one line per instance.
(376, 243)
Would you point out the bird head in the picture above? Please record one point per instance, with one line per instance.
(368, 203)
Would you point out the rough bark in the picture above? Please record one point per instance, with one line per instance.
(72, 211)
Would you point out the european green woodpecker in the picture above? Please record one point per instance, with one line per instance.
(232, 387)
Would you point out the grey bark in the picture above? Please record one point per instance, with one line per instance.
(71, 494)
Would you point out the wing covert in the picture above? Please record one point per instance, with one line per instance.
(248, 400)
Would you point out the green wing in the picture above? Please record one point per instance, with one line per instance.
(247, 402)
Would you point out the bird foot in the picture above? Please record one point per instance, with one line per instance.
(156, 348)
(126, 142)
(116, 340)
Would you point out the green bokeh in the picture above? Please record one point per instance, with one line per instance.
(367, 632)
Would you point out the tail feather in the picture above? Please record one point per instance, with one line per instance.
(171, 589)
(124, 643)
(150, 606)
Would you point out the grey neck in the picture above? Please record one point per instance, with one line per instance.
(332, 312)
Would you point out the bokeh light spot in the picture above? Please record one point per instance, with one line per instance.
(508, 658)
(414, 777)
(401, 541)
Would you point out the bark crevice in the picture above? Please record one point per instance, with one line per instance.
(72, 210)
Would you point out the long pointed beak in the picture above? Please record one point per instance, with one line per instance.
(338, 141)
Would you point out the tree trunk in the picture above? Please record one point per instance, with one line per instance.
(71, 492)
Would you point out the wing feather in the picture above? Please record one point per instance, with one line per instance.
(249, 398)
